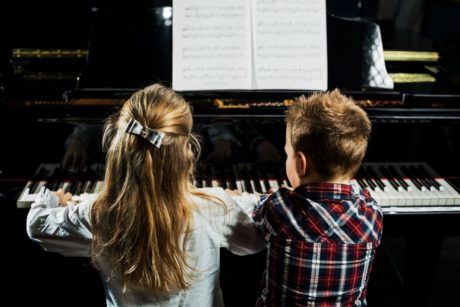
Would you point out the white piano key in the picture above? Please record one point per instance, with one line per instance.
(239, 186)
(453, 197)
(215, 183)
(262, 186)
(99, 186)
(273, 183)
(253, 185)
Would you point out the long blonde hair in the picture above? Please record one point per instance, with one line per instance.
(142, 219)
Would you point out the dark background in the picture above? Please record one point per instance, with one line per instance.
(131, 48)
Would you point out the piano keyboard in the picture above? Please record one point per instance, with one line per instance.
(397, 187)
(83, 185)
(408, 187)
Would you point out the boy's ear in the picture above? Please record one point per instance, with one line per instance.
(301, 164)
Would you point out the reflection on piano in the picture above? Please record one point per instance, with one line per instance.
(408, 187)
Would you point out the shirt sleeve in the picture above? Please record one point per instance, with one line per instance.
(260, 217)
(65, 230)
(238, 233)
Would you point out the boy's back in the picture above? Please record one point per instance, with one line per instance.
(321, 243)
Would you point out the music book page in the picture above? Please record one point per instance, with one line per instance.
(249, 44)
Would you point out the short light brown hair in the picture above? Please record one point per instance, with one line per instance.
(331, 130)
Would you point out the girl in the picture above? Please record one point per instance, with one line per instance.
(154, 237)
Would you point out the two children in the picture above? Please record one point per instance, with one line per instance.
(156, 238)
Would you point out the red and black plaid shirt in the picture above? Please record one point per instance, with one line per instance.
(321, 244)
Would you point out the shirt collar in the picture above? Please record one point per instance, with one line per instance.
(317, 191)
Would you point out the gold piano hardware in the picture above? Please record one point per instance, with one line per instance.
(410, 56)
(97, 101)
(369, 103)
(30, 103)
(49, 76)
(27, 53)
(222, 105)
(412, 78)
(235, 104)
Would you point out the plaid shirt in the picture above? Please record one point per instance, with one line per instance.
(321, 244)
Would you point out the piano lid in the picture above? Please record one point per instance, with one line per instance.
(129, 46)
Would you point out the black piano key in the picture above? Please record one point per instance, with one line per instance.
(425, 183)
(393, 172)
(412, 177)
(253, 181)
(365, 176)
(214, 177)
(230, 178)
(361, 180)
(206, 177)
(246, 179)
(361, 183)
(263, 180)
(36, 179)
(423, 178)
(219, 177)
(238, 180)
(53, 185)
(272, 180)
(33, 186)
(425, 173)
(278, 174)
(388, 176)
(74, 188)
(374, 175)
(198, 181)
(255, 176)
(197, 176)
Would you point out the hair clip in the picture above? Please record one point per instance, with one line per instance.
(153, 136)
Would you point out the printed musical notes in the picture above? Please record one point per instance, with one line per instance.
(249, 44)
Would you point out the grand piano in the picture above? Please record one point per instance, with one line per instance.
(83, 59)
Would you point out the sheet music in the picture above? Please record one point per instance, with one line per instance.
(211, 44)
(242, 44)
(290, 44)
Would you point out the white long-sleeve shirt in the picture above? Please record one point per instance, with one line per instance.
(67, 230)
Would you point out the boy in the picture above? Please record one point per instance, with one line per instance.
(322, 234)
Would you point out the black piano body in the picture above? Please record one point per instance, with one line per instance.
(48, 90)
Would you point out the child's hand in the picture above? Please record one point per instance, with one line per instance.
(63, 197)
(233, 192)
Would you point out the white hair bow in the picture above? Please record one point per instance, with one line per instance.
(153, 136)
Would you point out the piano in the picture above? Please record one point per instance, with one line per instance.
(81, 68)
